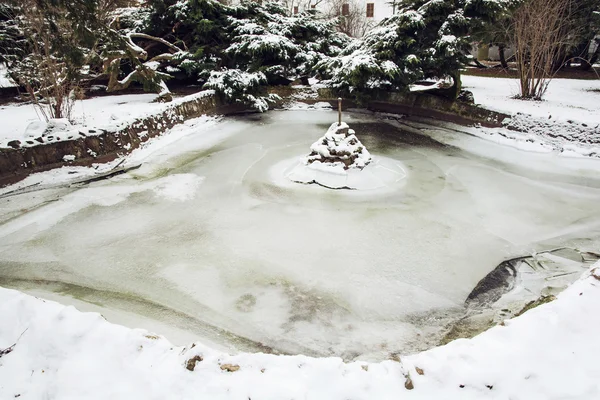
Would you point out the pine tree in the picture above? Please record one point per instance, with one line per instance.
(254, 43)
(12, 42)
(425, 39)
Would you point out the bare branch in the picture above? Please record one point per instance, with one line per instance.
(157, 39)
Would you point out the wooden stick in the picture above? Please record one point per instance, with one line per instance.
(339, 111)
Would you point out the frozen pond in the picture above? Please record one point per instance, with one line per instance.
(208, 238)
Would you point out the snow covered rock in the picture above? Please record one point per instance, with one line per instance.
(339, 160)
(41, 129)
(35, 129)
(339, 148)
(58, 124)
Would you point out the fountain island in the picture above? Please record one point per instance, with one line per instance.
(338, 160)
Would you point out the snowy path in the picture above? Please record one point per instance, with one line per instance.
(551, 352)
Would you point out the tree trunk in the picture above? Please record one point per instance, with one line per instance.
(502, 56)
(478, 64)
(456, 86)
(589, 62)
(58, 108)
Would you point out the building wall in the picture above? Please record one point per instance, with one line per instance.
(382, 8)
(493, 53)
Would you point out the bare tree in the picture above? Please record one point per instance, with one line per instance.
(50, 80)
(61, 44)
(144, 71)
(541, 35)
(352, 16)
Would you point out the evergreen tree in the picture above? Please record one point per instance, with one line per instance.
(226, 46)
(425, 39)
(12, 42)
(584, 29)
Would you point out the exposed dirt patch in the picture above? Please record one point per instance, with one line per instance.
(230, 367)
(535, 303)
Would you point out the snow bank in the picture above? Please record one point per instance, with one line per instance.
(51, 351)
(22, 121)
(559, 132)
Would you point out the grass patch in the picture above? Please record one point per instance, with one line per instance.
(535, 303)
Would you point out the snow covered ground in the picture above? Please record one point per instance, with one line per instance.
(102, 112)
(22, 121)
(566, 122)
(5, 81)
(566, 99)
(49, 351)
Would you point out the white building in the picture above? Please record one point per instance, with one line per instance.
(360, 14)
(372, 10)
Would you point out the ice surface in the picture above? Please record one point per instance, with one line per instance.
(207, 231)
(380, 173)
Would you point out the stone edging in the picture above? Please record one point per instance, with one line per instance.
(16, 164)
(430, 106)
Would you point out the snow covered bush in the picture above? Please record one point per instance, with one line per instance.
(235, 86)
(250, 39)
(56, 46)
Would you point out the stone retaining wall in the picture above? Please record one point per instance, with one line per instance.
(429, 106)
(15, 164)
